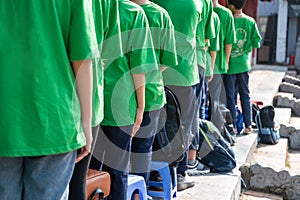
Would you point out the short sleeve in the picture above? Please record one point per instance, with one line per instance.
(168, 49)
(209, 26)
(256, 37)
(82, 37)
(141, 50)
(230, 30)
(215, 42)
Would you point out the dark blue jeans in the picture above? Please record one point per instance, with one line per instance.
(141, 149)
(112, 149)
(238, 84)
(77, 185)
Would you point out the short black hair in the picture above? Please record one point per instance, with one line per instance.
(238, 4)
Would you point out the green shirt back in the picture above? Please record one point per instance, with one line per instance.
(107, 26)
(185, 15)
(138, 57)
(214, 44)
(205, 30)
(226, 36)
(248, 37)
(40, 112)
(162, 32)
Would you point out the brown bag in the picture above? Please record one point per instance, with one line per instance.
(97, 184)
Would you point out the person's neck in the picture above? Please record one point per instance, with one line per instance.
(141, 2)
(238, 13)
(216, 3)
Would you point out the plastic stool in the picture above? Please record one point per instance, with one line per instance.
(169, 188)
(136, 183)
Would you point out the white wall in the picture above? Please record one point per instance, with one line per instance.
(292, 39)
(267, 8)
(282, 21)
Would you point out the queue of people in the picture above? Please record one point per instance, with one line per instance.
(82, 86)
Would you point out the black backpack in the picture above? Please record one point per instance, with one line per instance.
(264, 118)
(170, 142)
(214, 151)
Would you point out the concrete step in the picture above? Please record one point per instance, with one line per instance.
(295, 121)
(272, 156)
(264, 82)
(254, 195)
(294, 162)
(283, 115)
(213, 186)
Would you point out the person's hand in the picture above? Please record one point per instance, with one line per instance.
(138, 121)
(85, 150)
(227, 66)
(210, 78)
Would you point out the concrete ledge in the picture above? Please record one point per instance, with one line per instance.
(283, 115)
(264, 82)
(245, 147)
(212, 187)
(254, 195)
(273, 156)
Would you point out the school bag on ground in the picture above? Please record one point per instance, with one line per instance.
(214, 151)
(268, 129)
(170, 142)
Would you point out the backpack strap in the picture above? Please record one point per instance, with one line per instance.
(205, 137)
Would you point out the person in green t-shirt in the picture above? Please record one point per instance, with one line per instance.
(162, 32)
(182, 80)
(124, 96)
(204, 32)
(237, 78)
(107, 23)
(216, 86)
(45, 114)
(213, 46)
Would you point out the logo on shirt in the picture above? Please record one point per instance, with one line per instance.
(241, 37)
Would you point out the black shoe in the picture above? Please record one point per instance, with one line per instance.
(192, 164)
(200, 169)
(183, 184)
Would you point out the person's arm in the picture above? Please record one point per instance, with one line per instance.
(213, 55)
(228, 48)
(139, 83)
(206, 41)
(84, 87)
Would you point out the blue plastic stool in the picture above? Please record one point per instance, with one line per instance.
(136, 183)
(169, 189)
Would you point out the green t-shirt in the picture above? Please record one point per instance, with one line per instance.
(107, 26)
(213, 44)
(119, 94)
(226, 36)
(185, 16)
(248, 37)
(40, 113)
(205, 30)
(162, 32)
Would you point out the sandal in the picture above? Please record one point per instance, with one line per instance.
(248, 130)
